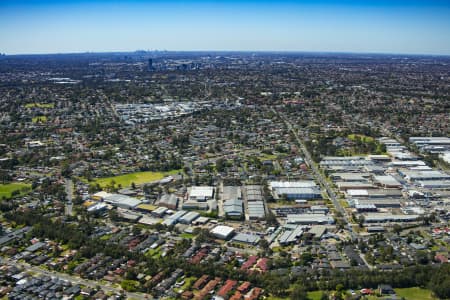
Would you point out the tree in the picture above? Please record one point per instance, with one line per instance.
(361, 220)
(397, 229)
(298, 293)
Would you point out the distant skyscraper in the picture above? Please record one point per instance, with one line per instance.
(150, 64)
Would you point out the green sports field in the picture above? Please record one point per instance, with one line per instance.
(414, 293)
(6, 190)
(137, 178)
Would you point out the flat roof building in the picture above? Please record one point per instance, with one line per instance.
(387, 181)
(169, 201)
(246, 238)
(307, 219)
(233, 208)
(122, 201)
(222, 232)
(295, 189)
(189, 217)
(386, 217)
(200, 193)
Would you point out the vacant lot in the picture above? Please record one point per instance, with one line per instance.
(137, 178)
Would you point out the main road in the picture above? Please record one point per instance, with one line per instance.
(69, 196)
(318, 175)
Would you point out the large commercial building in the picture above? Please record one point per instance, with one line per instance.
(198, 197)
(169, 201)
(295, 190)
(309, 219)
(254, 201)
(386, 217)
(118, 200)
(233, 208)
(344, 163)
(424, 175)
(222, 232)
(174, 219)
(189, 217)
(431, 144)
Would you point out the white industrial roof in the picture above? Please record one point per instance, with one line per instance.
(117, 199)
(201, 191)
(356, 193)
(292, 184)
(222, 230)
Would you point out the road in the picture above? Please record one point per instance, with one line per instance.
(318, 175)
(69, 193)
(108, 288)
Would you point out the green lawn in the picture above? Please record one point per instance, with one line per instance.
(6, 190)
(40, 105)
(187, 235)
(414, 293)
(39, 119)
(364, 138)
(316, 295)
(137, 178)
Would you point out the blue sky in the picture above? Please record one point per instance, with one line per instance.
(395, 26)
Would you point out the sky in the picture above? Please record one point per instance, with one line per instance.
(367, 26)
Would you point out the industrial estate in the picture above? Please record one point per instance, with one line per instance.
(224, 175)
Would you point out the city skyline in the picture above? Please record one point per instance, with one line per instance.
(397, 27)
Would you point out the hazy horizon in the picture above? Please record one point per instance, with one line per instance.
(325, 26)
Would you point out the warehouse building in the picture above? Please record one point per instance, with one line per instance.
(435, 184)
(387, 181)
(233, 208)
(295, 190)
(345, 186)
(168, 200)
(189, 217)
(198, 197)
(246, 238)
(255, 202)
(253, 193)
(231, 193)
(173, 219)
(309, 219)
(200, 193)
(350, 177)
(386, 217)
(424, 175)
(160, 211)
(256, 210)
(291, 234)
(378, 203)
(122, 201)
(222, 232)
(329, 162)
